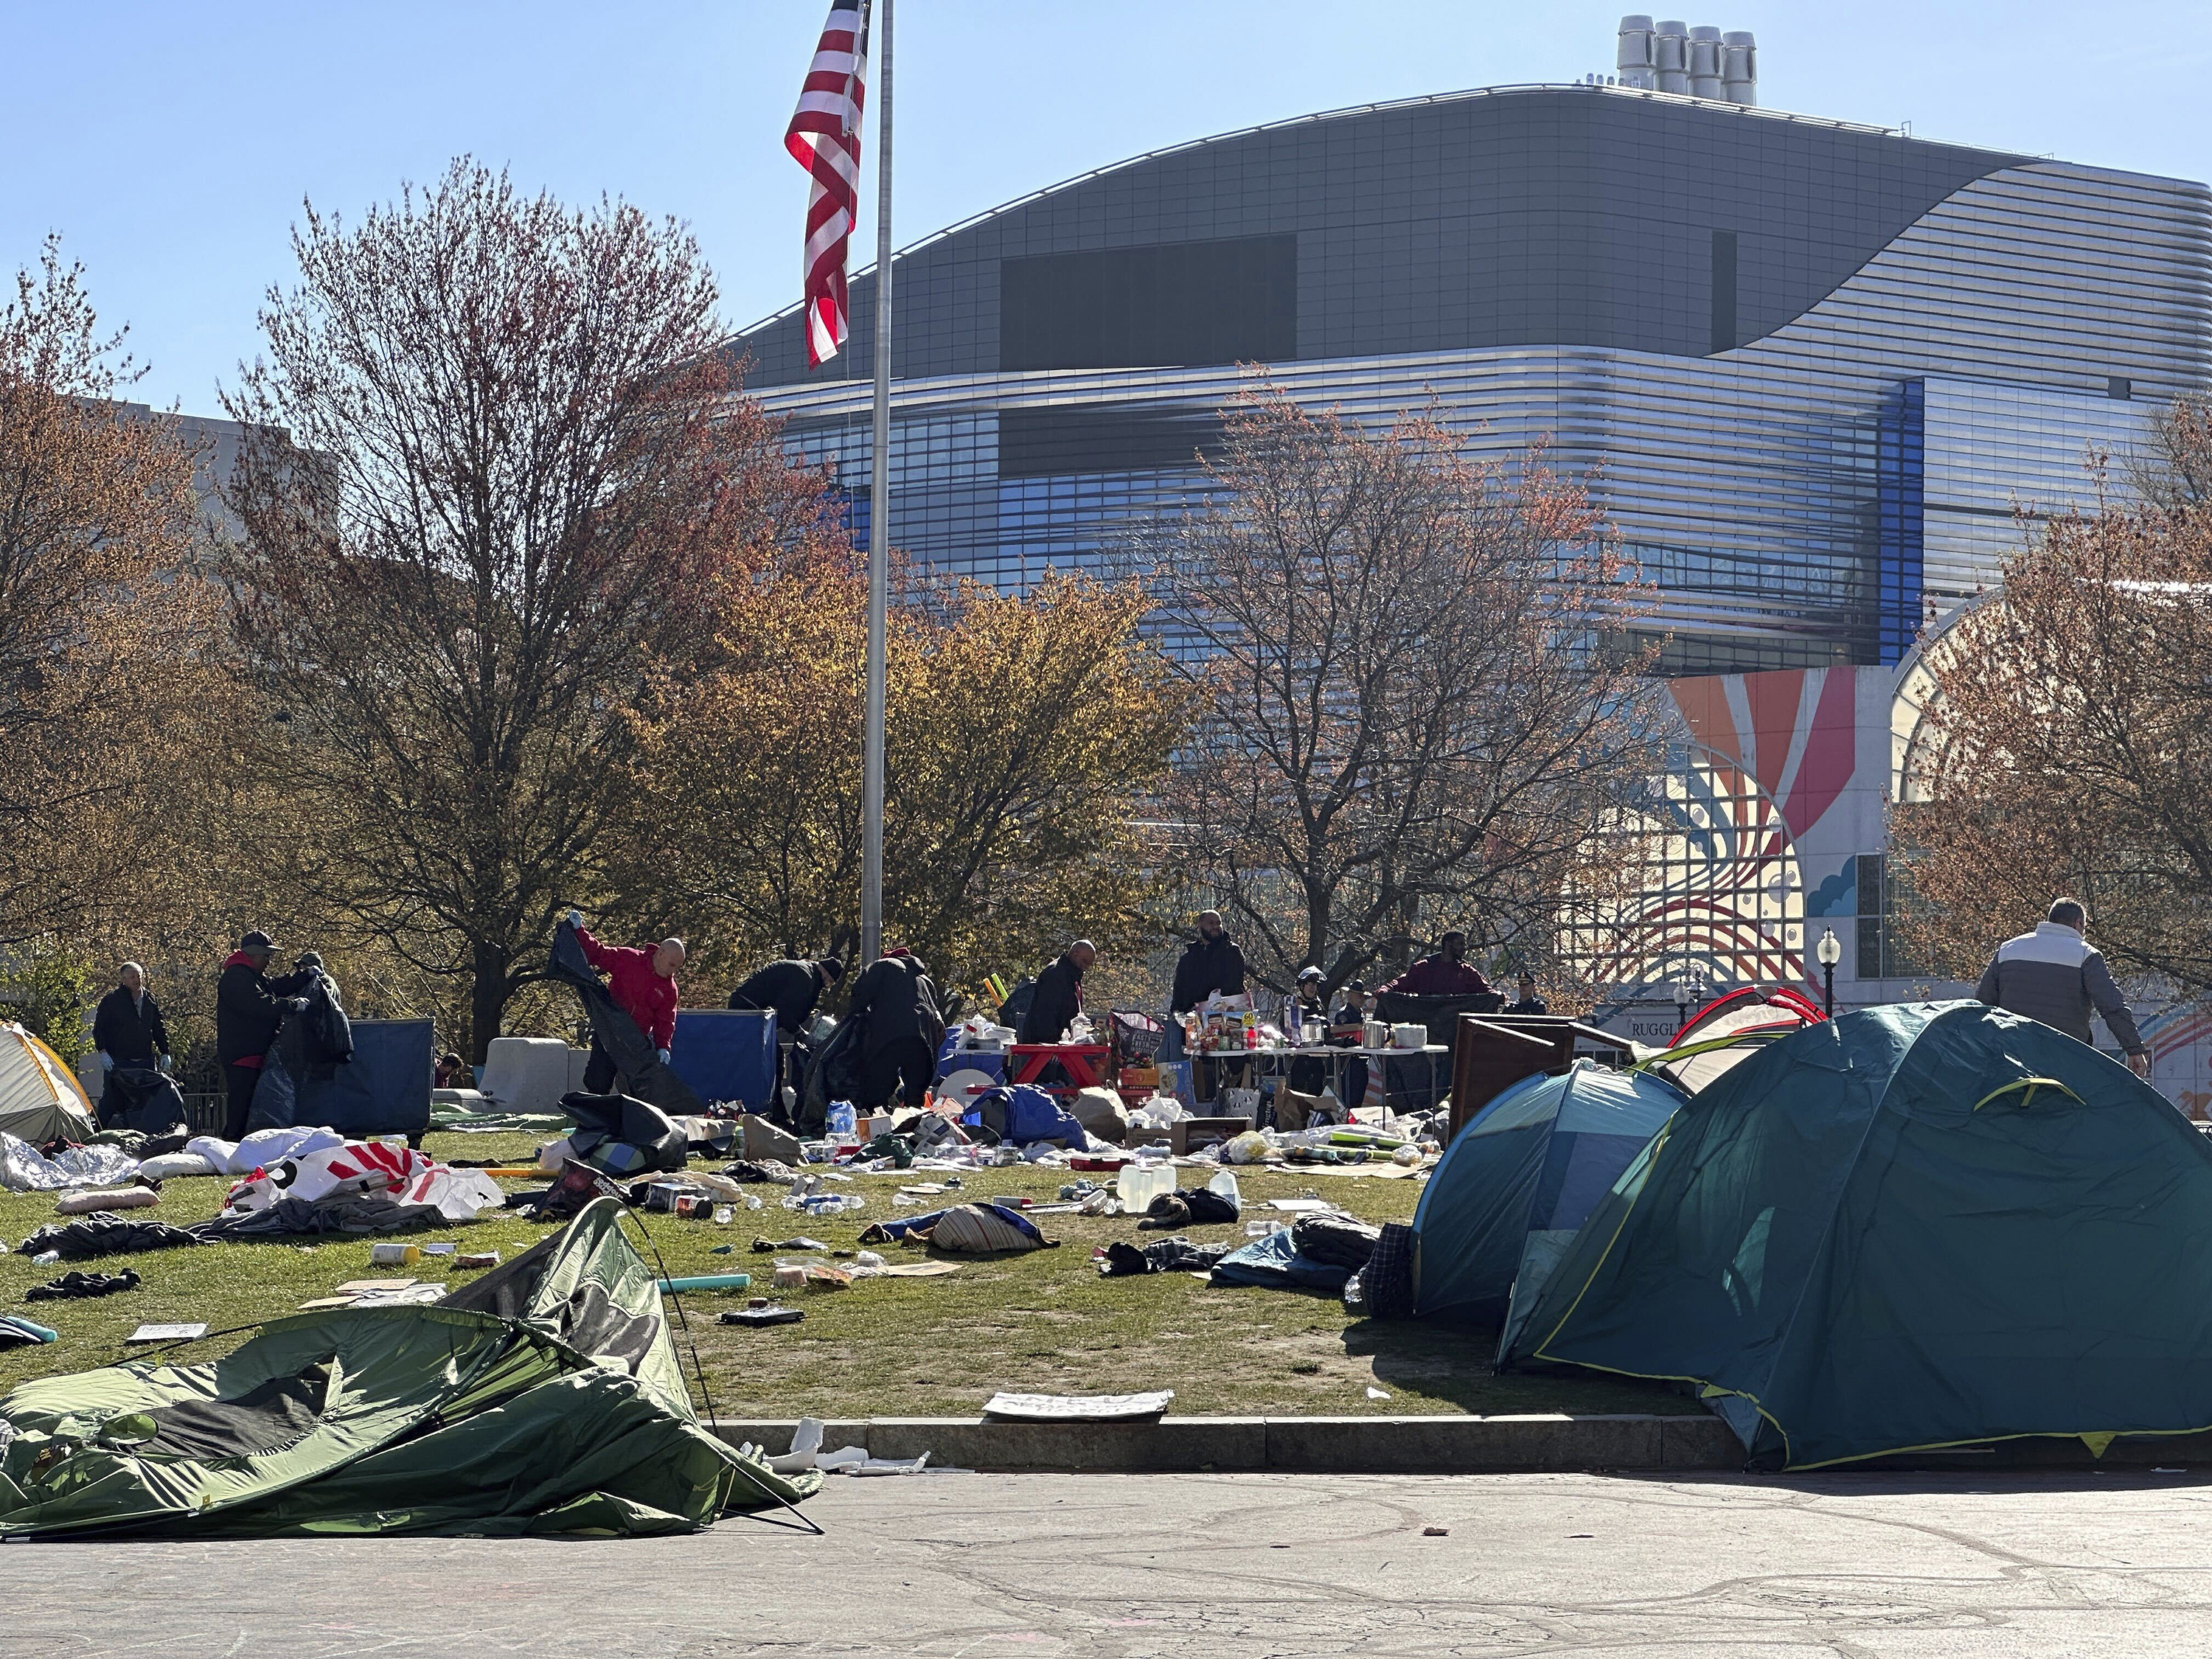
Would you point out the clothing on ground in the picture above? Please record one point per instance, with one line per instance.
(102, 1233)
(2055, 975)
(73, 1285)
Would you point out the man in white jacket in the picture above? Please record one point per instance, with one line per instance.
(2055, 975)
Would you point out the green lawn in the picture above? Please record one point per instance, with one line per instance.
(1040, 1322)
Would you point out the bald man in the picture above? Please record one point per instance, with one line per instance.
(641, 980)
(1057, 997)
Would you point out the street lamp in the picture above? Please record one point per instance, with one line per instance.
(1681, 1001)
(1830, 952)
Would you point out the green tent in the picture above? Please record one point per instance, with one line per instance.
(1922, 1226)
(545, 1397)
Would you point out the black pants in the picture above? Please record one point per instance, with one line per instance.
(904, 1067)
(243, 1080)
(599, 1071)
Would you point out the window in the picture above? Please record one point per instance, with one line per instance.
(1171, 305)
(1885, 895)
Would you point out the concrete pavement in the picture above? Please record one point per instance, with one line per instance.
(1201, 1566)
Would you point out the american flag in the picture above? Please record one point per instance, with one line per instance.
(824, 138)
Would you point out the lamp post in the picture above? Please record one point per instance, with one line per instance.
(1681, 1001)
(1830, 950)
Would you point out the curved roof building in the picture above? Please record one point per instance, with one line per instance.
(1814, 365)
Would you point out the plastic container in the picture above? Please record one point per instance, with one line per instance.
(1225, 1184)
(1139, 1184)
(842, 1119)
(393, 1254)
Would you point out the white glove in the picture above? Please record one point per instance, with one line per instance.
(297, 1005)
(663, 1052)
(575, 918)
(106, 1060)
(163, 1065)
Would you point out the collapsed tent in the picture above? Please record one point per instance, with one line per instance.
(39, 1100)
(143, 1098)
(1505, 1200)
(1915, 1226)
(545, 1397)
(1729, 1030)
(637, 1062)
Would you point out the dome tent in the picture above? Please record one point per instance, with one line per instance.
(1516, 1182)
(1922, 1225)
(39, 1100)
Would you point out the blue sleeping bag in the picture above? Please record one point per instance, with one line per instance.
(1021, 1114)
(1275, 1263)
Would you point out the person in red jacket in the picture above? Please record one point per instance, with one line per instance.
(641, 980)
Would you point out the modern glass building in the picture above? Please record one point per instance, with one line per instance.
(1814, 367)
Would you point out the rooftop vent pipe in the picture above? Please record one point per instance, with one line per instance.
(1740, 67)
(1671, 55)
(1704, 63)
(1634, 59)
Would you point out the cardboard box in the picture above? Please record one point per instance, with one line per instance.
(764, 1140)
(876, 1123)
(1187, 1135)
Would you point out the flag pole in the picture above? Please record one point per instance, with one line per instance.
(871, 787)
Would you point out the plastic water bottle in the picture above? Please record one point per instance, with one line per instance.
(1291, 1019)
(843, 1121)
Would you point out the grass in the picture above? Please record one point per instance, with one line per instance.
(1041, 1322)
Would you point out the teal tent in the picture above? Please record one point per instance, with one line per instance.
(545, 1397)
(1510, 1192)
(1916, 1226)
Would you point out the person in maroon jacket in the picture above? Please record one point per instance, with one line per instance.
(641, 980)
(1445, 973)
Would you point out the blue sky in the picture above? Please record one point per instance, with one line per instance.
(171, 145)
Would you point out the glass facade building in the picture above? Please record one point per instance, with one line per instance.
(1814, 368)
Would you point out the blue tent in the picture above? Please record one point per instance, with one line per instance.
(1506, 1199)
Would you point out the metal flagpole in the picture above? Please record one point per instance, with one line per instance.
(871, 786)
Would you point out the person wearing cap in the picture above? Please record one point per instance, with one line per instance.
(1529, 1002)
(249, 1006)
(642, 981)
(1443, 973)
(1352, 1006)
(794, 989)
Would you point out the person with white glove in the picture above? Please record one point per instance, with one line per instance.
(641, 980)
(127, 1027)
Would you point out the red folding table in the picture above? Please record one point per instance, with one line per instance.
(1088, 1065)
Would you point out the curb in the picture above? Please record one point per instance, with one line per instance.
(1328, 1445)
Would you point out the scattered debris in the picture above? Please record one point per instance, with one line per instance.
(1078, 1407)
(71, 1285)
(168, 1332)
(1436, 1532)
(1374, 1393)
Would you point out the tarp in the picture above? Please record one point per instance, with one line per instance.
(39, 1100)
(545, 1397)
(726, 1053)
(1921, 1225)
(1515, 1185)
(637, 1063)
(383, 1088)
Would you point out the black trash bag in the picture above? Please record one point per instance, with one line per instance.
(309, 1049)
(639, 1071)
(141, 1098)
(70, 1286)
(620, 1135)
(341, 1213)
(103, 1233)
(1337, 1240)
(833, 1074)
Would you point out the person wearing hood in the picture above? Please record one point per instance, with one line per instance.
(1057, 997)
(792, 988)
(249, 1006)
(898, 1044)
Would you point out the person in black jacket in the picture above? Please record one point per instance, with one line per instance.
(1211, 963)
(793, 989)
(898, 1046)
(127, 1027)
(249, 1006)
(1057, 997)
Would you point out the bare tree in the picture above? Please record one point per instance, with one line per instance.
(495, 471)
(2068, 743)
(1411, 725)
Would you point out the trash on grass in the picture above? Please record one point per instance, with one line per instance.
(168, 1332)
(1078, 1407)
